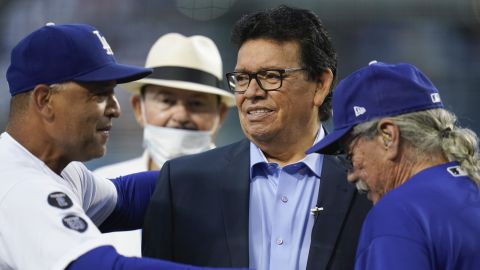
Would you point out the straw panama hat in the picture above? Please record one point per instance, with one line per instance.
(187, 63)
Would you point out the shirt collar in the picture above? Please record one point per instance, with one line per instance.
(313, 161)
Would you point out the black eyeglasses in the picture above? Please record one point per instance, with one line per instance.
(344, 155)
(268, 80)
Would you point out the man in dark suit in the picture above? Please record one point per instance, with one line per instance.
(263, 202)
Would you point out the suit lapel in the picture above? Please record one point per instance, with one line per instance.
(235, 202)
(335, 197)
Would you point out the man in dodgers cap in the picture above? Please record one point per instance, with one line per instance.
(61, 79)
(180, 106)
(421, 170)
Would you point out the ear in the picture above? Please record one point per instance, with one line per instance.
(42, 101)
(223, 110)
(222, 113)
(323, 84)
(389, 138)
(135, 100)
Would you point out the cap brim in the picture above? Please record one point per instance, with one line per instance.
(114, 72)
(330, 144)
(227, 97)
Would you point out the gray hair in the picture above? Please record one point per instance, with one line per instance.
(431, 132)
(20, 102)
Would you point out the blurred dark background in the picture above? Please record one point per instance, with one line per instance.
(441, 37)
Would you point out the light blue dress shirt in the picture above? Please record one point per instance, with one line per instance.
(281, 222)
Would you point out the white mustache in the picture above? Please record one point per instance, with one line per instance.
(361, 186)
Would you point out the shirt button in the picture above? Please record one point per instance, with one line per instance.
(284, 199)
(279, 241)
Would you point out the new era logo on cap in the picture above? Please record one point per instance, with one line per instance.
(68, 52)
(375, 91)
(359, 110)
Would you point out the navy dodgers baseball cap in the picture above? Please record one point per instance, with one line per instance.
(377, 90)
(68, 52)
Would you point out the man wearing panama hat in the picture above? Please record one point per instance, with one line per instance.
(181, 106)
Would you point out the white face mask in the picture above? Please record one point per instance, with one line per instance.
(164, 143)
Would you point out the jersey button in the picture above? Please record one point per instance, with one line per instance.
(284, 199)
(279, 241)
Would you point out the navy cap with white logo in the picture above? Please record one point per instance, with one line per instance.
(375, 91)
(69, 52)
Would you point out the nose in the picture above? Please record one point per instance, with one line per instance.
(180, 117)
(113, 107)
(254, 90)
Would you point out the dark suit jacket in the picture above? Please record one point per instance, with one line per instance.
(198, 213)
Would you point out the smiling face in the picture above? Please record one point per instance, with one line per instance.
(285, 115)
(83, 118)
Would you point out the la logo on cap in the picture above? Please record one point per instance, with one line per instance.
(104, 42)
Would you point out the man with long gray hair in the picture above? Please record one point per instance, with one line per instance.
(420, 169)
